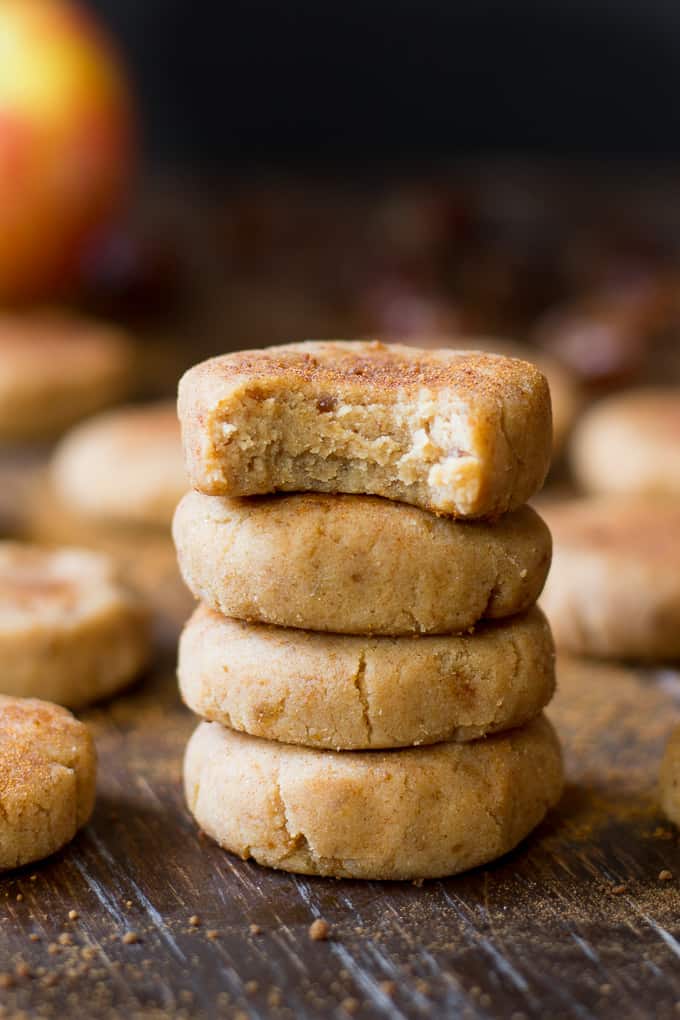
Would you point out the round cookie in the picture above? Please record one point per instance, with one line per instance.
(614, 587)
(357, 564)
(416, 813)
(48, 770)
(70, 632)
(125, 465)
(630, 444)
(346, 692)
(670, 778)
(56, 369)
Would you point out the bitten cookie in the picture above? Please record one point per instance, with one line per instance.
(416, 813)
(346, 692)
(69, 631)
(55, 370)
(48, 771)
(630, 444)
(457, 432)
(670, 778)
(614, 587)
(357, 564)
(125, 465)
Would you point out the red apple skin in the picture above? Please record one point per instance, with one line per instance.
(67, 143)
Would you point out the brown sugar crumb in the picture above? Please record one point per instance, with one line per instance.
(50, 979)
(6, 980)
(618, 890)
(212, 934)
(34, 937)
(665, 875)
(251, 987)
(319, 930)
(255, 929)
(350, 1005)
(53, 948)
(274, 997)
(73, 915)
(22, 970)
(65, 939)
(130, 938)
(88, 953)
(194, 920)
(20, 897)
(388, 988)
(418, 882)
(605, 989)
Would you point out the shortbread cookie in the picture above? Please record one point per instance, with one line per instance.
(357, 564)
(69, 631)
(348, 693)
(415, 813)
(670, 778)
(456, 432)
(629, 444)
(56, 369)
(614, 587)
(125, 465)
(48, 770)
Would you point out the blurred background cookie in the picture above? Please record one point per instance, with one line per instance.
(56, 369)
(70, 632)
(122, 466)
(630, 444)
(669, 787)
(48, 769)
(614, 587)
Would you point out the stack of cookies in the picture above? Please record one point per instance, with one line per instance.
(367, 657)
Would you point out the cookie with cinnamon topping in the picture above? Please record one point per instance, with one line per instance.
(460, 433)
(48, 771)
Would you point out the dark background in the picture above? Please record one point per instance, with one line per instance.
(323, 81)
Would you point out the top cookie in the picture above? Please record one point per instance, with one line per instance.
(456, 432)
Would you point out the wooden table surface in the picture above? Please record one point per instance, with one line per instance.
(541, 933)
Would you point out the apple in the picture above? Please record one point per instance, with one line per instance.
(66, 143)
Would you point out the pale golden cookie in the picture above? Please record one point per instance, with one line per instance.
(614, 587)
(48, 769)
(670, 778)
(456, 432)
(56, 369)
(629, 444)
(70, 632)
(125, 465)
(357, 564)
(416, 813)
(346, 692)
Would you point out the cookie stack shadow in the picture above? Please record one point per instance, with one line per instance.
(371, 674)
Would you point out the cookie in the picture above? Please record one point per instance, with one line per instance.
(56, 369)
(409, 814)
(629, 444)
(456, 432)
(670, 778)
(48, 771)
(614, 587)
(347, 693)
(125, 465)
(357, 564)
(69, 631)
